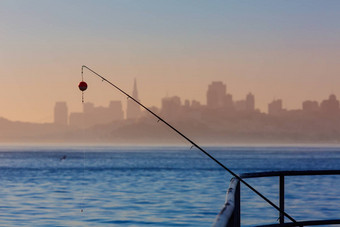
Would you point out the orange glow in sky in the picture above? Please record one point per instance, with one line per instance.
(287, 49)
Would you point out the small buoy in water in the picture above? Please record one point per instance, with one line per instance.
(82, 86)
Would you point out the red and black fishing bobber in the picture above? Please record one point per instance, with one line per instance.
(82, 86)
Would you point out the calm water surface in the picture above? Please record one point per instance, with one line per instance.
(157, 186)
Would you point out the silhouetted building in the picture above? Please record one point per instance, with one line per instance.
(275, 107)
(330, 106)
(116, 110)
(247, 105)
(92, 115)
(250, 103)
(60, 113)
(171, 107)
(186, 104)
(88, 108)
(228, 103)
(133, 110)
(78, 120)
(240, 105)
(196, 105)
(310, 106)
(216, 95)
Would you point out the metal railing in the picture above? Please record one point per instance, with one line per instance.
(235, 219)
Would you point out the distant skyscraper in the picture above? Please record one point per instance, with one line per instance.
(247, 105)
(275, 107)
(310, 106)
(133, 110)
(330, 106)
(250, 102)
(93, 115)
(240, 105)
(195, 104)
(60, 113)
(216, 95)
(116, 110)
(171, 107)
(228, 102)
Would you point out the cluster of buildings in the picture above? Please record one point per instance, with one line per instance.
(218, 103)
(328, 107)
(218, 98)
(93, 115)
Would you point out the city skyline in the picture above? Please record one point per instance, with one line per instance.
(286, 49)
(221, 120)
(172, 108)
(215, 90)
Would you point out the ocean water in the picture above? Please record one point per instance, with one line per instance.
(157, 186)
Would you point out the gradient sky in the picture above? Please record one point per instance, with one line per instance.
(274, 49)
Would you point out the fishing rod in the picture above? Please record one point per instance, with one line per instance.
(83, 87)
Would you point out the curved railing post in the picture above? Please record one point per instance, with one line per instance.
(237, 209)
(282, 198)
(229, 215)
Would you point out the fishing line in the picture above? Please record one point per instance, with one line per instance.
(82, 203)
(190, 141)
(83, 86)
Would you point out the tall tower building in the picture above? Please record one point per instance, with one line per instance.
(331, 105)
(171, 107)
(250, 102)
(275, 107)
(116, 110)
(133, 110)
(60, 113)
(310, 106)
(216, 95)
